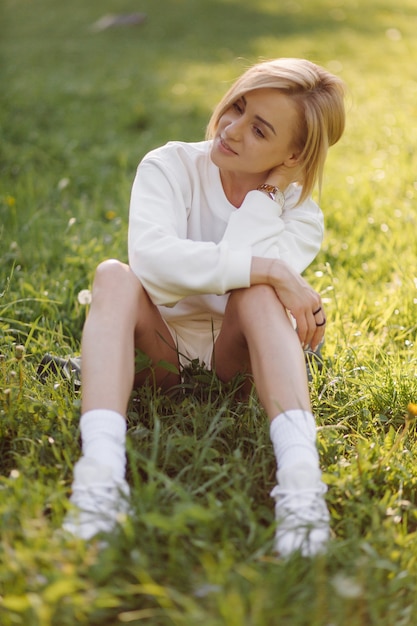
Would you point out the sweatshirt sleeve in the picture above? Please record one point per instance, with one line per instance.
(170, 265)
(293, 234)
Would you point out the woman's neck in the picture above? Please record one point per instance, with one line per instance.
(236, 185)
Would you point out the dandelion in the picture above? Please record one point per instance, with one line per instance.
(19, 352)
(10, 201)
(110, 215)
(63, 183)
(393, 34)
(347, 587)
(84, 296)
(412, 411)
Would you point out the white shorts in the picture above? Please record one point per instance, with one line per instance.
(195, 339)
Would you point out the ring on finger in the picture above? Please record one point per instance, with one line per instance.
(321, 323)
(318, 311)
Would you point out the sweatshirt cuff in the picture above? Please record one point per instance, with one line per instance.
(254, 199)
(239, 268)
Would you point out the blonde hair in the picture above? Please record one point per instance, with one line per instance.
(319, 98)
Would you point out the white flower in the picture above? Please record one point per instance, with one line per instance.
(84, 296)
(346, 586)
(64, 182)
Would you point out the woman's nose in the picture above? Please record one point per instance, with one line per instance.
(233, 129)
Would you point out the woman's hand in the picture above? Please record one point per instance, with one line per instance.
(283, 175)
(296, 295)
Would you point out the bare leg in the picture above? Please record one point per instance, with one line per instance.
(121, 318)
(257, 336)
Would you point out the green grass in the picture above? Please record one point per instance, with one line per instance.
(78, 109)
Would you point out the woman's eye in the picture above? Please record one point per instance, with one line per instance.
(258, 132)
(237, 107)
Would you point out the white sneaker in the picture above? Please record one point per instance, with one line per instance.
(100, 501)
(300, 511)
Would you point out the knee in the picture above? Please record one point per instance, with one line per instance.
(256, 296)
(254, 303)
(110, 273)
(115, 280)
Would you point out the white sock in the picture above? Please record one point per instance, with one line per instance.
(103, 435)
(293, 435)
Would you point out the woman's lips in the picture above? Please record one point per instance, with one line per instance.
(226, 146)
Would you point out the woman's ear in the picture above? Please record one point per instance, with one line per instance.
(293, 160)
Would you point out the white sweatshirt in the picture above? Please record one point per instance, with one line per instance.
(189, 246)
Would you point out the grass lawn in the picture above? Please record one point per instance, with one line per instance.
(79, 107)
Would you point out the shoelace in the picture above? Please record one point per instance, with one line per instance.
(100, 500)
(306, 505)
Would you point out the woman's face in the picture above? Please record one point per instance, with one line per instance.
(256, 133)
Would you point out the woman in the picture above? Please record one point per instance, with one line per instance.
(219, 232)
